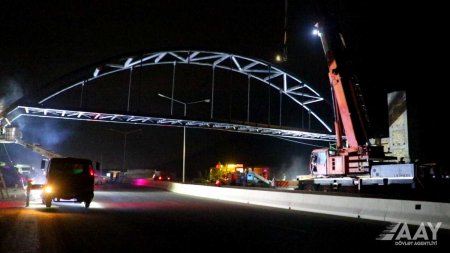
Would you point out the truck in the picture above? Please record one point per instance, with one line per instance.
(353, 161)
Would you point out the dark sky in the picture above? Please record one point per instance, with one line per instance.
(42, 42)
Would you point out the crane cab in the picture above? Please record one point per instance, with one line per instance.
(326, 162)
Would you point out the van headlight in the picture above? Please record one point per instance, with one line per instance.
(48, 189)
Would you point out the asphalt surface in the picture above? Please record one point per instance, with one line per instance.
(125, 219)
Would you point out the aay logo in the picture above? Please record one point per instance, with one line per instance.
(402, 236)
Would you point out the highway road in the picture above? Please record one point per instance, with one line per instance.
(127, 219)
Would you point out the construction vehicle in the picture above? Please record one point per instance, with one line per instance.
(353, 161)
(24, 169)
(238, 174)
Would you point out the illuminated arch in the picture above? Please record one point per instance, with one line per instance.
(298, 91)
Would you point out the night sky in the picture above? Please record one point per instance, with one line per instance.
(42, 42)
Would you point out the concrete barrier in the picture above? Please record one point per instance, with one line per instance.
(390, 210)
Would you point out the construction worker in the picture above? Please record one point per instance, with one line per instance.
(29, 183)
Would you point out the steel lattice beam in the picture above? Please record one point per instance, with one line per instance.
(240, 127)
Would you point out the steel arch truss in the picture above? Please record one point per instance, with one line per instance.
(20, 111)
(298, 91)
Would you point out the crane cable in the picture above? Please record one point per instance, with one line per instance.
(301, 142)
(285, 30)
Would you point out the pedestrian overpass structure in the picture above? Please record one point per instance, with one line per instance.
(239, 94)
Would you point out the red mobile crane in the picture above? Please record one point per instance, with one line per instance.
(352, 157)
(353, 161)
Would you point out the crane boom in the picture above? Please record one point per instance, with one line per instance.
(14, 135)
(39, 149)
(348, 115)
(351, 155)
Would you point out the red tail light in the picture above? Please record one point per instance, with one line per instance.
(91, 172)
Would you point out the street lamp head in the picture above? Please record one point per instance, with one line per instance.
(207, 100)
(278, 58)
(317, 32)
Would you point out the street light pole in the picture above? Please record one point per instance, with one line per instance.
(184, 153)
(125, 134)
(184, 127)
